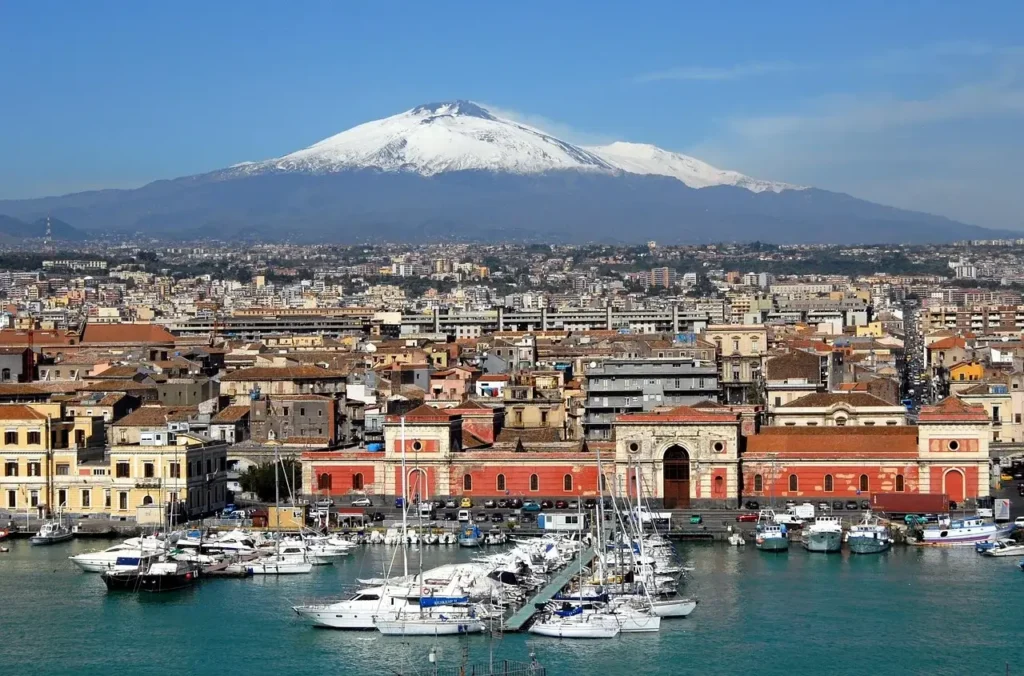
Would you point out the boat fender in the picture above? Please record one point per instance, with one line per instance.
(425, 591)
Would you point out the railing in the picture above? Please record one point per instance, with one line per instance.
(149, 482)
(499, 668)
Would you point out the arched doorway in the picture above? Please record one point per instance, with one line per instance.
(677, 478)
(418, 488)
(954, 484)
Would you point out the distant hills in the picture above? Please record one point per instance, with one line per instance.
(456, 171)
(14, 229)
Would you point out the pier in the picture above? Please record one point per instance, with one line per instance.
(562, 578)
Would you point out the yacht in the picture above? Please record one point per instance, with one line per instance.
(870, 536)
(770, 536)
(574, 623)
(965, 531)
(150, 575)
(51, 533)
(470, 536)
(1004, 547)
(277, 564)
(824, 535)
(97, 562)
(376, 607)
(433, 616)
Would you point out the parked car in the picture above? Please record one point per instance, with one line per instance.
(450, 504)
(606, 503)
(1019, 522)
(464, 515)
(362, 502)
(752, 504)
(561, 504)
(512, 518)
(378, 516)
(530, 506)
(325, 503)
(547, 504)
(526, 517)
(865, 504)
(466, 503)
(497, 517)
(1006, 476)
(590, 503)
(399, 503)
(696, 519)
(823, 506)
(480, 516)
(515, 503)
(837, 504)
(438, 504)
(748, 517)
(574, 504)
(450, 516)
(914, 520)
(790, 503)
(502, 504)
(851, 505)
(489, 504)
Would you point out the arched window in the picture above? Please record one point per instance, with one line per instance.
(604, 482)
(828, 483)
(147, 500)
(534, 482)
(467, 482)
(567, 482)
(794, 484)
(357, 482)
(863, 482)
(758, 483)
(840, 422)
(323, 482)
(500, 483)
(899, 483)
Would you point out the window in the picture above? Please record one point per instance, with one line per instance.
(62, 497)
(106, 499)
(12, 499)
(869, 423)
(758, 483)
(543, 417)
(5, 375)
(286, 410)
(417, 445)
(499, 482)
(35, 469)
(209, 465)
(148, 470)
(11, 468)
(778, 401)
(840, 422)
(900, 483)
(99, 472)
(174, 470)
(122, 500)
(86, 499)
(828, 483)
(953, 445)
(34, 437)
(33, 499)
(467, 482)
(323, 482)
(604, 482)
(122, 470)
(302, 410)
(10, 437)
(518, 417)
(863, 482)
(794, 484)
(319, 413)
(718, 447)
(223, 463)
(357, 481)
(995, 414)
(567, 482)
(1016, 418)
(63, 469)
(534, 482)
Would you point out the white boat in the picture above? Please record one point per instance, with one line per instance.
(576, 625)
(824, 535)
(736, 540)
(870, 536)
(52, 532)
(273, 565)
(770, 536)
(1004, 547)
(966, 531)
(97, 562)
(430, 626)
(673, 607)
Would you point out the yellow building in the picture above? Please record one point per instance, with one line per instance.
(872, 329)
(966, 371)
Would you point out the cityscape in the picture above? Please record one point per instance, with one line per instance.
(467, 385)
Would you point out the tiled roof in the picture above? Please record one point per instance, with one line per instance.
(952, 409)
(796, 364)
(19, 412)
(533, 435)
(826, 399)
(149, 416)
(231, 414)
(948, 343)
(423, 413)
(124, 372)
(123, 334)
(471, 405)
(680, 414)
(886, 441)
(282, 373)
(305, 441)
(117, 386)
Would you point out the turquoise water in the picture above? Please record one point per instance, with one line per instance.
(908, 611)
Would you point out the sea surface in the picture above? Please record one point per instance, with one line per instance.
(910, 611)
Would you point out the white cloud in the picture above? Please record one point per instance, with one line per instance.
(720, 73)
(557, 129)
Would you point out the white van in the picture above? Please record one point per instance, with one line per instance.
(427, 510)
(464, 515)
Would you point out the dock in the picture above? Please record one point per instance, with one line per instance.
(523, 615)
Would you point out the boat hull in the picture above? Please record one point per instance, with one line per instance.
(341, 618)
(469, 542)
(575, 630)
(142, 582)
(964, 538)
(433, 628)
(869, 545)
(771, 544)
(257, 568)
(674, 607)
(825, 542)
(50, 539)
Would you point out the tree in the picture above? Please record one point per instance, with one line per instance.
(259, 479)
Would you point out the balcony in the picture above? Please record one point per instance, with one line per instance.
(148, 482)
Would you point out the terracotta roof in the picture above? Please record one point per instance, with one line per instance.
(15, 389)
(708, 404)
(952, 409)
(39, 338)
(470, 440)
(827, 399)
(124, 372)
(948, 343)
(494, 378)
(19, 412)
(423, 413)
(680, 414)
(471, 405)
(796, 364)
(533, 435)
(299, 397)
(149, 416)
(231, 414)
(126, 334)
(305, 441)
(117, 386)
(824, 441)
(282, 373)
(853, 387)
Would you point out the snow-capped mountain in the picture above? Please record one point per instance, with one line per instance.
(465, 136)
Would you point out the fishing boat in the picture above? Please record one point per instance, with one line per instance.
(870, 536)
(1004, 547)
(963, 532)
(769, 535)
(52, 532)
(824, 535)
(470, 536)
(152, 576)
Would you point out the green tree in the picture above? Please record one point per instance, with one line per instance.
(259, 479)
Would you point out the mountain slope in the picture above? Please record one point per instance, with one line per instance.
(455, 171)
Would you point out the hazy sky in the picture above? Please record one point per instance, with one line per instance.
(918, 105)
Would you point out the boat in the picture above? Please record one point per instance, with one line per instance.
(433, 616)
(284, 564)
(824, 535)
(965, 531)
(574, 623)
(4, 533)
(1004, 547)
(99, 561)
(1020, 564)
(673, 607)
(151, 576)
(736, 540)
(769, 535)
(470, 536)
(52, 532)
(870, 536)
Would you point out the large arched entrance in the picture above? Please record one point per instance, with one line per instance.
(677, 478)
(418, 488)
(954, 484)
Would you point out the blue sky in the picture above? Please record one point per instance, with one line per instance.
(915, 104)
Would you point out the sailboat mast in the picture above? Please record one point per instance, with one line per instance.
(405, 507)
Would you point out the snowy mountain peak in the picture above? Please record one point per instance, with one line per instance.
(462, 135)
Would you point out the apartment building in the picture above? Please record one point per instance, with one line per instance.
(741, 353)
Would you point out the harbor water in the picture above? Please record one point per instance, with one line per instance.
(911, 610)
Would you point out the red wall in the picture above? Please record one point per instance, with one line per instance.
(426, 489)
(845, 480)
(341, 477)
(517, 480)
(954, 487)
(428, 446)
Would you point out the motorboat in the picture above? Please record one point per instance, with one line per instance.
(152, 576)
(99, 561)
(770, 536)
(964, 532)
(736, 539)
(433, 616)
(574, 623)
(470, 536)
(52, 532)
(367, 608)
(1004, 547)
(870, 536)
(825, 535)
(284, 564)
